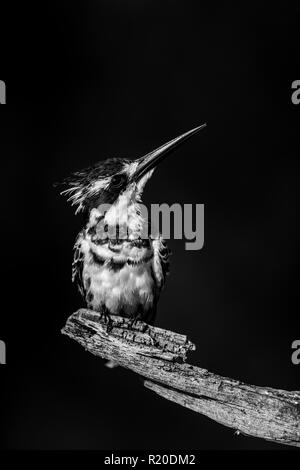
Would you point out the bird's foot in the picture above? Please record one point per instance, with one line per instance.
(105, 316)
(133, 321)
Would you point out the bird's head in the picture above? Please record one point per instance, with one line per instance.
(116, 179)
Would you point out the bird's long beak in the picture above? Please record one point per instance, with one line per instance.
(151, 160)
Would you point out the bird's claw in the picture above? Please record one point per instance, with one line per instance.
(133, 321)
(106, 319)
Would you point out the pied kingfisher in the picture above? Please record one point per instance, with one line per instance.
(119, 275)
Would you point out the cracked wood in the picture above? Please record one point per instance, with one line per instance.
(159, 356)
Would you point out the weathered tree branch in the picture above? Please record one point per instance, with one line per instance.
(159, 356)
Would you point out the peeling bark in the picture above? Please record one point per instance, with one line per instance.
(159, 356)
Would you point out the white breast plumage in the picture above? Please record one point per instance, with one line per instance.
(126, 290)
(121, 277)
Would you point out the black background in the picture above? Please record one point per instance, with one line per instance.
(94, 79)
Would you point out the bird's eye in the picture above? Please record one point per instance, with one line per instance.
(118, 180)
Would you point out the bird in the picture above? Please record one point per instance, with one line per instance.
(119, 275)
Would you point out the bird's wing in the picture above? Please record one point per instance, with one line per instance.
(161, 262)
(77, 265)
